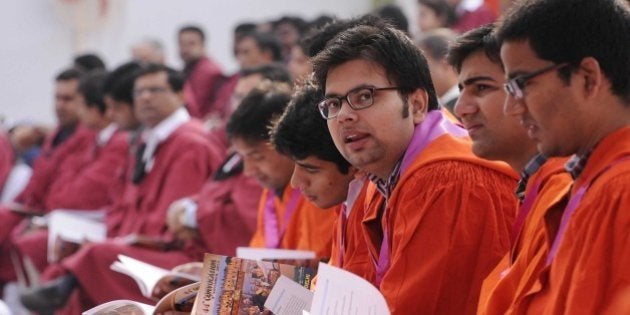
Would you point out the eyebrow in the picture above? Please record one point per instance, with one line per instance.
(517, 73)
(476, 79)
(306, 165)
(360, 86)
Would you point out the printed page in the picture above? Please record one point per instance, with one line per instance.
(288, 298)
(74, 228)
(117, 307)
(341, 292)
(179, 300)
(146, 275)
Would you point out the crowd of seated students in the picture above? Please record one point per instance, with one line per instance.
(349, 139)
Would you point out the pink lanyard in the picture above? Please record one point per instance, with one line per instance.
(523, 211)
(343, 222)
(273, 231)
(574, 202)
(431, 128)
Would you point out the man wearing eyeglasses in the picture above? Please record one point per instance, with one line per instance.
(174, 160)
(496, 136)
(570, 88)
(437, 217)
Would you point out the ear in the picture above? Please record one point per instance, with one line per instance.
(593, 77)
(418, 101)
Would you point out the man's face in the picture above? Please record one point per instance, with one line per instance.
(90, 117)
(154, 100)
(550, 109)
(121, 113)
(375, 138)
(299, 65)
(191, 47)
(262, 162)
(243, 86)
(495, 136)
(321, 181)
(68, 102)
(428, 19)
(249, 54)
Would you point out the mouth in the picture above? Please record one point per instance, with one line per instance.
(355, 140)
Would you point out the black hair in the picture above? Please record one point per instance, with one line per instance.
(175, 78)
(267, 42)
(479, 39)
(441, 9)
(301, 132)
(299, 23)
(252, 119)
(394, 15)
(567, 31)
(119, 83)
(193, 29)
(69, 74)
(89, 62)
(274, 71)
(391, 49)
(316, 39)
(435, 43)
(91, 87)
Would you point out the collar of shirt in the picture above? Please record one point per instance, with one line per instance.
(576, 164)
(532, 167)
(104, 135)
(154, 136)
(386, 186)
(452, 93)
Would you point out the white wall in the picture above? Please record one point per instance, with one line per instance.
(39, 37)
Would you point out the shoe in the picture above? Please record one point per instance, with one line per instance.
(49, 297)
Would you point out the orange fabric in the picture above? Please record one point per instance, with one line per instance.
(449, 220)
(309, 228)
(590, 273)
(503, 286)
(356, 258)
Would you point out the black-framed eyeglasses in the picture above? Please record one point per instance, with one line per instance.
(515, 86)
(357, 98)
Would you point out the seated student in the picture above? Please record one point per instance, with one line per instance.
(69, 140)
(7, 158)
(571, 90)
(225, 208)
(324, 176)
(285, 218)
(89, 181)
(475, 56)
(174, 161)
(437, 217)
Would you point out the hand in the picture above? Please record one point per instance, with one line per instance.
(175, 219)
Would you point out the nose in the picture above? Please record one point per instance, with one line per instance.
(465, 105)
(297, 180)
(346, 113)
(248, 168)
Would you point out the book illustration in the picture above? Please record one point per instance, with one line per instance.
(238, 286)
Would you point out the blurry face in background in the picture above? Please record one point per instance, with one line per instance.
(262, 162)
(299, 65)
(121, 113)
(428, 19)
(68, 102)
(287, 34)
(191, 47)
(249, 54)
(154, 99)
(243, 86)
(91, 117)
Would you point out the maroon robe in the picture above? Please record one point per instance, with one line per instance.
(88, 184)
(7, 158)
(200, 88)
(182, 164)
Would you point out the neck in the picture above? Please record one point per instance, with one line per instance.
(615, 117)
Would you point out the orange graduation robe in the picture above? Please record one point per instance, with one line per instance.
(349, 250)
(448, 221)
(589, 273)
(507, 282)
(307, 228)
